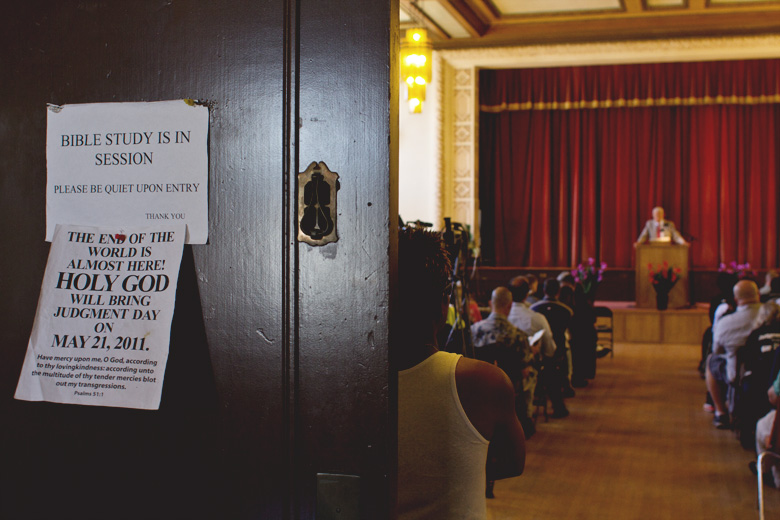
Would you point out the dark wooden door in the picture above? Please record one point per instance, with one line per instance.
(278, 367)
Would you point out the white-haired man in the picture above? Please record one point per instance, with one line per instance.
(658, 229)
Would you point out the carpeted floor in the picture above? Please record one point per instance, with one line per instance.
(637, 445)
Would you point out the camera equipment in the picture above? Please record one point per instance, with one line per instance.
(456, 238)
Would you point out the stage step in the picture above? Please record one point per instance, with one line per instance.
(635, 325)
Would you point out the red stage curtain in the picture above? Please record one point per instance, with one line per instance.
(572, 160)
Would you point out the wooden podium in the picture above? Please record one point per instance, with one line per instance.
(656, 254)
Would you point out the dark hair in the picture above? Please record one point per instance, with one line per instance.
(725, 282)
(566, 278)
(552, 287)
(774, 285)
(566, 295)
(424, 270)
(519, 287)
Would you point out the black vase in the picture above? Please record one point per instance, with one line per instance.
(662, 301)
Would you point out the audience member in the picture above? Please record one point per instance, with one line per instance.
(767, 287)
(566, 279)
(729, 335)
(764, 341)
(760, 356)
(725, 283)
(533, 289)
(474, 314)
(530, 322)
(557, 313)
(774, 291)
(555, 369)
(566, 298)
(497, 340)
(450, 408)
(583, 339)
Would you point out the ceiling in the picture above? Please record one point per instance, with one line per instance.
(454, 24)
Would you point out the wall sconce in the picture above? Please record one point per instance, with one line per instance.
(416, 59)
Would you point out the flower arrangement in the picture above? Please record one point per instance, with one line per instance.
(664, 277)
(741, 270)
(588, 275)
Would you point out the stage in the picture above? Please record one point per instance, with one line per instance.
(635, 325)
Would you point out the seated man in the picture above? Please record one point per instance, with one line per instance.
(450, 408)
(509, 349)
(767, 287)
(566, 279)
(774, 291)
(729, 334)
(533, 286)
(555, 372)
(530, 322)
(758, 358)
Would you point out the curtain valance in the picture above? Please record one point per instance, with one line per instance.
(747, 82)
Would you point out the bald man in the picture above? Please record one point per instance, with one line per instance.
(496, 330)
(729, 334)
(497, 339)
(658, 229)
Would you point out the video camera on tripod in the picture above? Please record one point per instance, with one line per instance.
(456, 239)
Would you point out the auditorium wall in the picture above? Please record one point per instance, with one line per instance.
(438, 160)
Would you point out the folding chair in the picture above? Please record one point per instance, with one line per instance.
(540, 396)
(604, 327)
(771, 453)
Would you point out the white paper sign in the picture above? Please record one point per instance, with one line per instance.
(103, 323)
(128, 165)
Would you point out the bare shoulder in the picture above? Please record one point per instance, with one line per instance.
(485, 392)
(473, 371)
(488, 398)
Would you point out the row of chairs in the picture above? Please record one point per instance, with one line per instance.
(773, 454)
(605, 339)
(604, 328)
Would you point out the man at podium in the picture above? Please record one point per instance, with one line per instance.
(659, 230)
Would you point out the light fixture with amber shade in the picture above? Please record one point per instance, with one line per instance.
(416, 58)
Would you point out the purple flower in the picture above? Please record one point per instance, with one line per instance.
(599, 278)
(591, 261)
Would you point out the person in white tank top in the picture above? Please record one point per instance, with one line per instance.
(452, 410)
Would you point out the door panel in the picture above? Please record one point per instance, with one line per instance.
(265, 386)
(345, 117)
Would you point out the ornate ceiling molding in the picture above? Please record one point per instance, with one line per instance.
(604, 53)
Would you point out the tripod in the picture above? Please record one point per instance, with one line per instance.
(456, 239)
